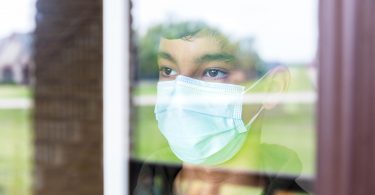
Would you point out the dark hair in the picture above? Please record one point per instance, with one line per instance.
(245, 56)
(185, 29)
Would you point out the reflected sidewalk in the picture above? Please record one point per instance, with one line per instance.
(16, 103)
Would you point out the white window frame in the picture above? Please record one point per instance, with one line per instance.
(115, 96)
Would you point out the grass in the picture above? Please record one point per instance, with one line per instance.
(300, 80)
(15, 143)
(294, 131)
(15, 152)
(15, 91)
(290, 126)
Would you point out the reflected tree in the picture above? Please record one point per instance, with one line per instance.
(146, 68)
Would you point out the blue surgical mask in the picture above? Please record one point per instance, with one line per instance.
(202, 121)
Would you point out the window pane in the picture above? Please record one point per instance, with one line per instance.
(226, 90)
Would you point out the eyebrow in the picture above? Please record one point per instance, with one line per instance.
(167, 56)
(203, 59)
(215, 57)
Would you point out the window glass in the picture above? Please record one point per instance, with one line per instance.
(16, 93)
(224, 95)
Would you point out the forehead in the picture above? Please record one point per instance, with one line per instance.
(191, 48)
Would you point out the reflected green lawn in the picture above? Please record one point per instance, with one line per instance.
(15, 152)
(15, 91)
(294, 130)
(291, 126)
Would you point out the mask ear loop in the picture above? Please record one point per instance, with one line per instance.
(262, 107)
(256, 83)
(248, 125)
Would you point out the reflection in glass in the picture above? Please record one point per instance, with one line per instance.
(213, 116)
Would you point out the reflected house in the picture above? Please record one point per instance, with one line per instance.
(16, 58)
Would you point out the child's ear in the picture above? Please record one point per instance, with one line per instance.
(277, 84)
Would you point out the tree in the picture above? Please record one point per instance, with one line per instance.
(148, 47)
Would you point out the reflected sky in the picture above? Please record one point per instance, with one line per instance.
(285, 31)
(16, 16)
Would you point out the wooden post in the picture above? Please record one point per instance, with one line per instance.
(346, 116)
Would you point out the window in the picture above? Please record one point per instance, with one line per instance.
(266, 53)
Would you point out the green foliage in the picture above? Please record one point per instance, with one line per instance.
(249, 59)
(246, 57)
(148, 44)
(147, 53)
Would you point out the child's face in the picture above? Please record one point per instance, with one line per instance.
(204, 58)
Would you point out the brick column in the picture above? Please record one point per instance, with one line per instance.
(68, 98)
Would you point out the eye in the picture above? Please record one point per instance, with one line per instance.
(215, 73)
(167, 72)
